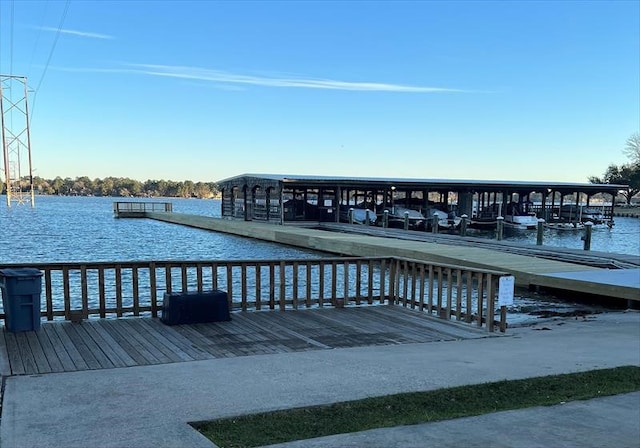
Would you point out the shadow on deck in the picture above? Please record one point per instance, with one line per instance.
(111, 343)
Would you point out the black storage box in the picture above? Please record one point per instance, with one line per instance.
(195, 307)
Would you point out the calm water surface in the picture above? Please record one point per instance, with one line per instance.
(62, 229)
(77, 229)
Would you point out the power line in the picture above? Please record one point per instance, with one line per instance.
(11, 39)
(53, 47)
(35, 47)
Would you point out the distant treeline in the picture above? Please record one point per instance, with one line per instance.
(120, 187)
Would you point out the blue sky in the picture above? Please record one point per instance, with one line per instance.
(207, 90)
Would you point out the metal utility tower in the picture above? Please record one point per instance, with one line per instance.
(16, 140)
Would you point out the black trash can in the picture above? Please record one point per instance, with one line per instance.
(21, 289)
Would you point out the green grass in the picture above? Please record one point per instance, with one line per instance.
(417, 407)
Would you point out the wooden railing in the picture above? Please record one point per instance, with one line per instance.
(132, 209)
(116, 289)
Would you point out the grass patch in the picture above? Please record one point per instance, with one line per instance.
(416, 407)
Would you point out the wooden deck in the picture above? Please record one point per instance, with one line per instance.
(111, 343)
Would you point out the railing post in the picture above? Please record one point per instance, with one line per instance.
(587, 235)
(503, 319)
(540, 231)
(435, 223)
(351, 215)
(463, 225)
(500, 227)
(367, 218)
(385, 219)
(406, 220)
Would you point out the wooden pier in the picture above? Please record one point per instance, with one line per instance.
(530, 270)
(138, 209)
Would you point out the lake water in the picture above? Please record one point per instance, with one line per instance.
(75, 229)
(78, 229)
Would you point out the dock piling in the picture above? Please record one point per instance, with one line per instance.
(500, 227)
(540, 231)
(463, 225)
(587, 235)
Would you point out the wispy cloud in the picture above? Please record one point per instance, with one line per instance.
(78, 33)
(235, 81)
(219, 76)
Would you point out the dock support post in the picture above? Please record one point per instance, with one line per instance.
(406, 220)
(500, 227)
(367, 219)
(587, 235)
(540, 230)
(463, 225)
(385, 219)
(434, 224)
(351, 215)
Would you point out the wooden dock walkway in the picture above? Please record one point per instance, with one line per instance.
(63, 346)
(528, 270)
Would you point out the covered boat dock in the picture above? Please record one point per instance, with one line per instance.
(307, 198)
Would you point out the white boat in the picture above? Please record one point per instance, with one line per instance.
(397, 216)
(359, 215)
(564, 225)
(519, 219)
(522, 221)
(581, 213)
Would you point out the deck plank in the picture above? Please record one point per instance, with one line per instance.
(138, 354)
(49, 352)
(177, 339)
(72, 350)
(28, 359)
(170, 351)
(80, 345)
(126, 359)
(431, 324)
(414, 332)
(369, 328)
(106, 346)
(201, 341)
(222, 342)
(98, 350)
(5, 364)
(276, 323)
(13, 352)
(41, 362)
(144, 347)
(59, 349)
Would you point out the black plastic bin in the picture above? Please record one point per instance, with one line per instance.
(21, 289)
(195, 307)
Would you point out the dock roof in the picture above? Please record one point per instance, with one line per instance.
(292, 180)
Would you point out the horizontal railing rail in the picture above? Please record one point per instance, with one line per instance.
(115, 289)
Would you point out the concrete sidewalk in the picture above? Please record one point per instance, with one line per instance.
(150, 406)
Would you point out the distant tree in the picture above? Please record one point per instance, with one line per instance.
(119, 186)
(67, 186)
(632, 148)
(628, 174)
